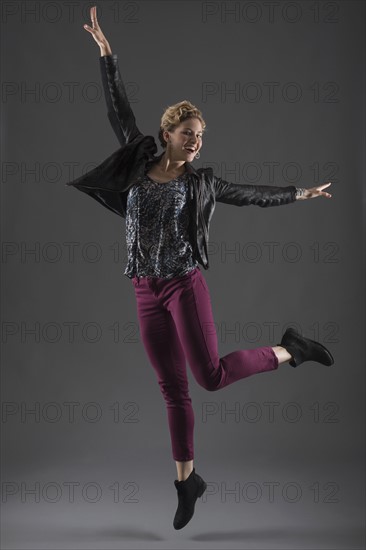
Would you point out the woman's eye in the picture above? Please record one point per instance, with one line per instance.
(200, 137)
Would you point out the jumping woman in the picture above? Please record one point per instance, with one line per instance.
(168, 205)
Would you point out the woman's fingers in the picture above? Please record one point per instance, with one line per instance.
(324, 185)
(94, 20)
(324, 193)
(93, 17)
(95, 30)
(317, 191)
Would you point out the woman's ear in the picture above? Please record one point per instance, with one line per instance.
(166, 136)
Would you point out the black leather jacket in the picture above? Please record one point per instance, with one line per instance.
(110, 182)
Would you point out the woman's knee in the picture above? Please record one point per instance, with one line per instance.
(174, 391)
(208, 383)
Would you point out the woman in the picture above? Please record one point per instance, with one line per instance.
(173, 301)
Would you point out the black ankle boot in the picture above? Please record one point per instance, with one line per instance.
(303, 349)
(188, 492)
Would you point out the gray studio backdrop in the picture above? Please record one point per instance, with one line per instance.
(86, 455)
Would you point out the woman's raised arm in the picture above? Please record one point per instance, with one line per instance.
(119, 110)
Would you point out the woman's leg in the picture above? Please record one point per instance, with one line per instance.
(184, 469)
(282, 354)
(166, 355)
(190, 307)
(155, 297)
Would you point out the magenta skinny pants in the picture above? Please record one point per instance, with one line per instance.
(176, 323)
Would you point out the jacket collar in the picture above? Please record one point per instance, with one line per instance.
(190, 169)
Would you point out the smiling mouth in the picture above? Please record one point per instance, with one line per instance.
(190, 149)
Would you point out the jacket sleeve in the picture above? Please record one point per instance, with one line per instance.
(259, 195)
(120, 114)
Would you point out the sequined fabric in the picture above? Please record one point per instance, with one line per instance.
(157, 221)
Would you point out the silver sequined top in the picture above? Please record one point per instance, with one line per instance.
(157, 220)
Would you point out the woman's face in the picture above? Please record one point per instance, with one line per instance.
(186, 139)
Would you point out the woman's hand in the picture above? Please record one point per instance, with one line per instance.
(315, 192)
(97, 34)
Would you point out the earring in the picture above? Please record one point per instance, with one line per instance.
(197, 156)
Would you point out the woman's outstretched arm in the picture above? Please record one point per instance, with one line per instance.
(263, 195)
(119, 111)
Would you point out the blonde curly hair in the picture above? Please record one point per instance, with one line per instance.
(175, 114)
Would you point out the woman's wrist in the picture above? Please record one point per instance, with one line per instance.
(105, 49)
(300, 193)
